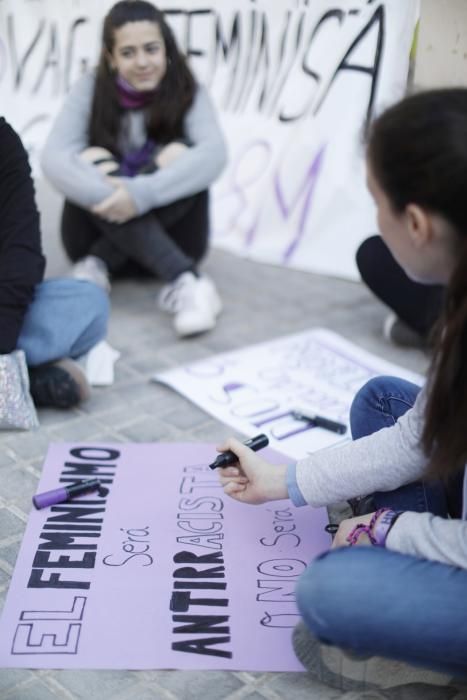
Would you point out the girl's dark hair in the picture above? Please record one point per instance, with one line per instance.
(174, 94)
(417, 152)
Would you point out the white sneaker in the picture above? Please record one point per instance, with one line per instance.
(92, 269)
(193, 301)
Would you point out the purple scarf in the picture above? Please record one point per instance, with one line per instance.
(136, 161)
(130, 98)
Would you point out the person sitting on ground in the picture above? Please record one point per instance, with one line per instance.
(394, 584)
(415, 307)
(54, 320)
(134, 150)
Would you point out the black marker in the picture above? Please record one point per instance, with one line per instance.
(225, 459)
(321, 422)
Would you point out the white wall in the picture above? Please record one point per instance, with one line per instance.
(442, 46)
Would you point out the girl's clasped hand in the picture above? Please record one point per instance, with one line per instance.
(134, 151)
(119, 206)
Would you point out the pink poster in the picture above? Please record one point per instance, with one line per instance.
(164, 571)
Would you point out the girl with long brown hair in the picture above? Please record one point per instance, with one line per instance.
(394, 585)
(134, 150)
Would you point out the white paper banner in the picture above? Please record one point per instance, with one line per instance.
(294, 82)
(255, 389)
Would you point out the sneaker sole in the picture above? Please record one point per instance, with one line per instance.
(186, 331)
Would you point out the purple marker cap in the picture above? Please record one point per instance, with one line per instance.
(66, 493)
(50, 498)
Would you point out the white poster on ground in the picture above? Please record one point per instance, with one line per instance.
(294, 82)
(256, 389)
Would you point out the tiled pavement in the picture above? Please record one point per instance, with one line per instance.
(261, 302)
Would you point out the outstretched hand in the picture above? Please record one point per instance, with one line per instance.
(254, 480)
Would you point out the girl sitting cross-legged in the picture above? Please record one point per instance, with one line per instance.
(134, 151)
(393, 587)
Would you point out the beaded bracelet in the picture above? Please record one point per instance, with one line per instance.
(382, 525)
(377, 530)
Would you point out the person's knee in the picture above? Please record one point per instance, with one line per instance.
(96, 305)
(316, 600)
(94, 314)
(365, 401)
(369, 257)
(332, 594)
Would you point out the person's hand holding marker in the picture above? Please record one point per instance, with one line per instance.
(254, 480)
(118, 207)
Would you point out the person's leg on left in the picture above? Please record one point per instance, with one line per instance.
(65, 320)
(373, 602)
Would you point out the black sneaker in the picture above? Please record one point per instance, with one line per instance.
(61, 384)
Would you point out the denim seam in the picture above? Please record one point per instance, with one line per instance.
(389, 397)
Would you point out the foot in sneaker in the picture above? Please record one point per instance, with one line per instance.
(399, 333)
(347, 671)
(194, 303)
(61, 384)
(92, 269)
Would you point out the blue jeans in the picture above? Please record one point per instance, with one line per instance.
(379, 404)
(66, 319)
(374, 601)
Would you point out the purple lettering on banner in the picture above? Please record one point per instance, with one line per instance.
(254, 158)
(285, 425)
(232, 386)
(256, 407)
(224, 395)
(308, 187)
